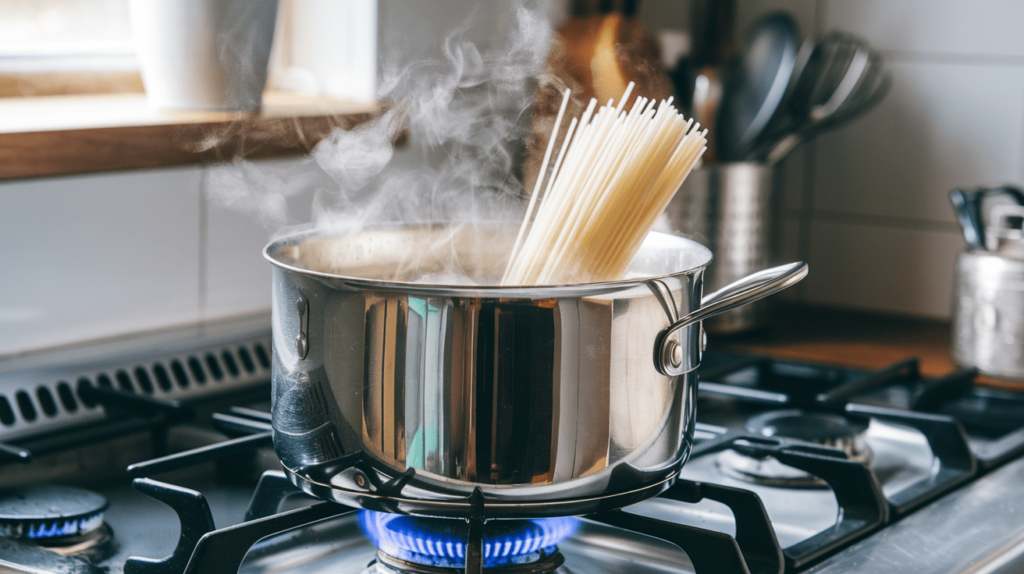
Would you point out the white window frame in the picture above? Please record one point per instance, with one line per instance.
(321, 47)
(326, 48)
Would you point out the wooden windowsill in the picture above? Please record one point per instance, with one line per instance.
(63, 135)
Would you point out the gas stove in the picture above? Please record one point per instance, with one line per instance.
(154, 456)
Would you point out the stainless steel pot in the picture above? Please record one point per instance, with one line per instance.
(434, 397)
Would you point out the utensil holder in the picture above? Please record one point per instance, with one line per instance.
(728, 207)
(988, 314)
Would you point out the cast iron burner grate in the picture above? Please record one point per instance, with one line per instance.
(993, 418)
(202, 549)
(832, 430)
(940, 409)
(735, 389)
(754, 548)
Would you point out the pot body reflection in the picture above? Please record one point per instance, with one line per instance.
(527, 394)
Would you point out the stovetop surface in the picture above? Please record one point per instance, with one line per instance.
(141, 526)
(901, 456)
(899, 438)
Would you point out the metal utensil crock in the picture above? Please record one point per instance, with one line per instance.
(988, 313)
(526, 395)
(729, 207)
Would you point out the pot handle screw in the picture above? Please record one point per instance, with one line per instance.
(675, 353)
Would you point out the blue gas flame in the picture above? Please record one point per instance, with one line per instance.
(59, 528)
(442, 542)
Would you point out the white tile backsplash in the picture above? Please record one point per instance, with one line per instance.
(790, 181)
(973, 27)
(882, 235)
(804, 13)
(237, 276)
(901, 271)
(942, 126)
(791, 228)
(664, 15)
(98, 255)
(676, 15)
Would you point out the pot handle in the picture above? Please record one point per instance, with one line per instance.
(674, 357)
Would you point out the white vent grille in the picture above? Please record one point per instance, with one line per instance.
(43, 400)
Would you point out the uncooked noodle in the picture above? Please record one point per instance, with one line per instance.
(614, 174)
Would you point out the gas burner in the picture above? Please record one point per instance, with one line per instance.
(51, 515)
(415, 545)
(390, 565)
(826, 429)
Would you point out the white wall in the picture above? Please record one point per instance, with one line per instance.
(86, 257)
(875, 218)
(103, 255)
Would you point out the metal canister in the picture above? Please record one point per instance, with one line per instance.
(729, 208)
(988, 313)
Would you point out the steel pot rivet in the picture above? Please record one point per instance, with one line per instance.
(675, 353)
(360, 480)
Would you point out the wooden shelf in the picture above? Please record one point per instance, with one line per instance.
(62, 135)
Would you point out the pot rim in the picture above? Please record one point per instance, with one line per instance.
(531, 291)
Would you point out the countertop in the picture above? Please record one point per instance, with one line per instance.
(852, 338)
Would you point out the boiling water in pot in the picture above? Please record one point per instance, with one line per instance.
(454, 254)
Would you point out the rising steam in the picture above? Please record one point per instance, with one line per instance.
(466, 117)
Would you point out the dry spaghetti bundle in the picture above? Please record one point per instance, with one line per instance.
(615, 173)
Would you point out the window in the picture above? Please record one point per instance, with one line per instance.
(51, 35)
(66, 47)
(326, 48)
(322, 75)
(322, 47)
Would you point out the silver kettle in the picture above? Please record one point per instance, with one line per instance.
(988, 292)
